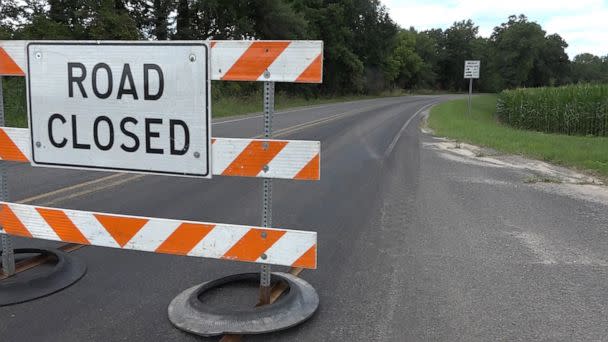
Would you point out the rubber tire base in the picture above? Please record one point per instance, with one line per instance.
(26, 286)
(187, 312)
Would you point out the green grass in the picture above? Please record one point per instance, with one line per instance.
(450, 119)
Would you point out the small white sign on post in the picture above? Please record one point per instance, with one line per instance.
(471, 69)
(124, 106)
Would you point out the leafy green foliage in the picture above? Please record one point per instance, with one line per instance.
(589, 68)
(15, 108)
(519, 53)
(73, 19)
(405, 65)
(365, 51)
(458, 46)
(576, 109)
(358, 36)
(527, 56)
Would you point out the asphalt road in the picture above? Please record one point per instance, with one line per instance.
(413, 245)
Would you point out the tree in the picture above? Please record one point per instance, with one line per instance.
(183, 21)
(359, 38)
(552, 65)
(111, 21)
(604, 71)
(328, 22)
(429, 49)
(75, 19)
(522, 45)
(457, 47)
(490, 79)
(232, 19)
(587, 67)
(277, 20)
(8, 13)
(161, 23)
(405, 64)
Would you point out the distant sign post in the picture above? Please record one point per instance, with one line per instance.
(471, 71)
(136, 107)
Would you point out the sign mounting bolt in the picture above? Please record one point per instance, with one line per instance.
(264, 235)
(38, 55)
(266, 74)
(264, 256)
(197, 155)
(38, 144)
(192, 58)
(266, 168)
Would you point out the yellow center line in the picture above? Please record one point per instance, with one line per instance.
(107, 186)
(302, 126)
(68, 189)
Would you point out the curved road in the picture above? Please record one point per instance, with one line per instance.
(413, 245)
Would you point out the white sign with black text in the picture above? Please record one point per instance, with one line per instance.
(125, 106)
(471, 69)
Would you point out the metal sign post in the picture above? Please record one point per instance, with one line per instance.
(471, 71)
(470, 93)
(267, 190)
(8, 255)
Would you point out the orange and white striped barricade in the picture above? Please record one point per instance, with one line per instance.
(235, 157)
(198, 239)
(296, 61)
(267, 61)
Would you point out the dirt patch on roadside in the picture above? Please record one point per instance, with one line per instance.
(541, 172)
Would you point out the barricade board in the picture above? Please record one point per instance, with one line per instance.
(198, 239)
(299, 61)
(266, 158)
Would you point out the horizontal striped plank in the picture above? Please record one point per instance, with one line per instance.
(299, 61)
(267, 158)
(197, 239)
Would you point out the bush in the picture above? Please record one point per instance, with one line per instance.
(15, 105)
(575, 110)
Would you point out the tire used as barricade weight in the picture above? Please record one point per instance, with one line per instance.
(29, 286)
(187, 312)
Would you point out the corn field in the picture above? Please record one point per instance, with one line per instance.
(575, 110)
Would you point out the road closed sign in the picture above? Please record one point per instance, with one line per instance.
(124, 106)
(471, 69)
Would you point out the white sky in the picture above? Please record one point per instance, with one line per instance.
(582, 23)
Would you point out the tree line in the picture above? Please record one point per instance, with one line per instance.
(365, 50)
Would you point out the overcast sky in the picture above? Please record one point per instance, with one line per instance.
(582, 23)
